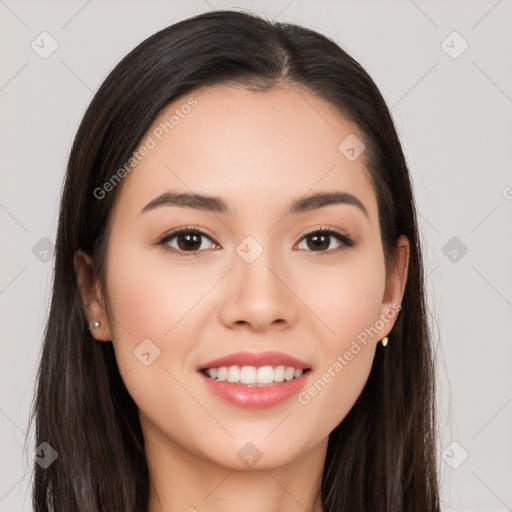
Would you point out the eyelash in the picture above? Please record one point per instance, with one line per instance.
(346, 241)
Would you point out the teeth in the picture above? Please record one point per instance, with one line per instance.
(265, 375)
(222, 374)
(289, 373)
(233, 374)
(248, 375)
(279, 373)
(253, 375)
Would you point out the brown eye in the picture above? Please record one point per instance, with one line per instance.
(190, 241)
(321, 241)
(185, 240)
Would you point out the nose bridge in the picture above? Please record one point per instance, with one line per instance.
(259, 296)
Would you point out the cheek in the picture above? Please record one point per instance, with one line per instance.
(331, 394)
(152, 303)
(348, 300)
(347, 297)
(149, 295)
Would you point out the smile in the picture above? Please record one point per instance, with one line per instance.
(253, 376)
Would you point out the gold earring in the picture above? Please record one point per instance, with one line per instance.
(384, 341)
(94, 326)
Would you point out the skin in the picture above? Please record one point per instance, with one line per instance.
(259, 151)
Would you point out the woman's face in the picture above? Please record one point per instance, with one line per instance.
(252, 277)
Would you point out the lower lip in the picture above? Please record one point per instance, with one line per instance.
(254, 397)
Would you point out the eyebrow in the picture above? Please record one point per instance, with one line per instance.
(218, 205)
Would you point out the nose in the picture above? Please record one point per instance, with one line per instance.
(258, 296)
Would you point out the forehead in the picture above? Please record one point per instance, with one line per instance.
(253, 148)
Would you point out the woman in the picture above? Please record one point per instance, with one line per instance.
(238, 312)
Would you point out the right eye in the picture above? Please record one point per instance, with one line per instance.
(185, 240)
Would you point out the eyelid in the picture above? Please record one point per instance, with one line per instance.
(176, 231)
(344, 238)
(328, 229)
(171, 234)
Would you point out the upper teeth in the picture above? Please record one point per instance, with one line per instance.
(253, 375)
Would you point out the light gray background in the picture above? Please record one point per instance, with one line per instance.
(454, 119)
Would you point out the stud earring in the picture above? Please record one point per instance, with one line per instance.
(384, 341)
(94, 326)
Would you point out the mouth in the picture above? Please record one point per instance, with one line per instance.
(255, 380)
(252, 376)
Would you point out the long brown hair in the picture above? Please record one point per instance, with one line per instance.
(381, 457)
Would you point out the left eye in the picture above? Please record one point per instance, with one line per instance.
(320, 241)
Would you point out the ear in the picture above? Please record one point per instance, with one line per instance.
(91, 295)
(395, 285)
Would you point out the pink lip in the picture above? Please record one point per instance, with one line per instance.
(254, 397)
(257, 360)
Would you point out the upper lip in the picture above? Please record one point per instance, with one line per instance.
(256, 359)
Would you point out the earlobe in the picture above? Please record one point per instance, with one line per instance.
(395, 286)
(91, 297)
